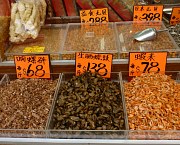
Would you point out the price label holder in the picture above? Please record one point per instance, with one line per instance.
(94, 62)
(32, 66)
(146, 62)
(94, 16)
(34, 49)
(148, 13)
(175, 16)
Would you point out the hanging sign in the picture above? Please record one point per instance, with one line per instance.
(94, 62)
(148, 13)
(32, 66)
(145, 62)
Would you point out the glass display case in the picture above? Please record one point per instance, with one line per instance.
(98, 38)
(50, 38)
(162, 42)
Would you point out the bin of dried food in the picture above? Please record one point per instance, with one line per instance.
(162, 42)
(51, 37)
(153, 103)
(25, 105)
(99, 38)
(88, 106)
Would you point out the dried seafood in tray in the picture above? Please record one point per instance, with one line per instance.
(88, 102)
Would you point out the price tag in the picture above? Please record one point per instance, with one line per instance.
(175, 16)
(32, 66)
(34, 49)
(94, 16)
(94, 62)
(148, 13)
(145, 62)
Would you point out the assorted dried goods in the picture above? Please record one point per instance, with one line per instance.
(89, 102)
(127, 30)
(153, 102)
(47, 35)
(94, 38)
(26, 19)
(25, 104)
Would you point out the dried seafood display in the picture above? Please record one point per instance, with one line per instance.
(153, 102)
(89, 102)
(25, 103)
(94, 38)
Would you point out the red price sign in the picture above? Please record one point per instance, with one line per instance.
(94, 16)
(145, 62)
(32, 66)
(148, 13)
(175, 16)
(94, 62)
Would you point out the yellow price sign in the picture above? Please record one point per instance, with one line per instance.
(175, 16)
(145, 62)
(94, 16)
(148, 13)
(32, 66)
(94, 62)
(34, 49)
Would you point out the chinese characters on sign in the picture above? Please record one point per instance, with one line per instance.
(94, 16)
(145, 62)
(175, 16)
(32, 66)
(148, 13)
(34, 49)
(94, 62)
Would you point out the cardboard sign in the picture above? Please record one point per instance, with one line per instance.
(32, 66)
(94, 62)
(94, 16)
(175, 16)
(34, 49)
(148, 13)
(145, 62)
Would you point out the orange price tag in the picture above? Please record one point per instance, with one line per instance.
(148, 13)
(32, 66)
(175, 16)
(145, 62)
(94, 16)
(94, 62)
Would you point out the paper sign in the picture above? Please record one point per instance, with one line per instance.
(175, 16)
(145, 62)
(32, 66)
(148, 13)
(94, 62)
(94, 16)
(34, 49)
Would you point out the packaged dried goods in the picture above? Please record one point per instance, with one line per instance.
(88, 102)
(90, 38)
(163, 41)
(25, 103)
(70, 6)
(121, 9)
(50, 11)
(59, 7)
(113, 17)
(153, 102)
(85, 4)
(26, 19)
(51, 37)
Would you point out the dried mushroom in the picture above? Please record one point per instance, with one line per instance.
(25, 103)
(153, 102)
(89, 102)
